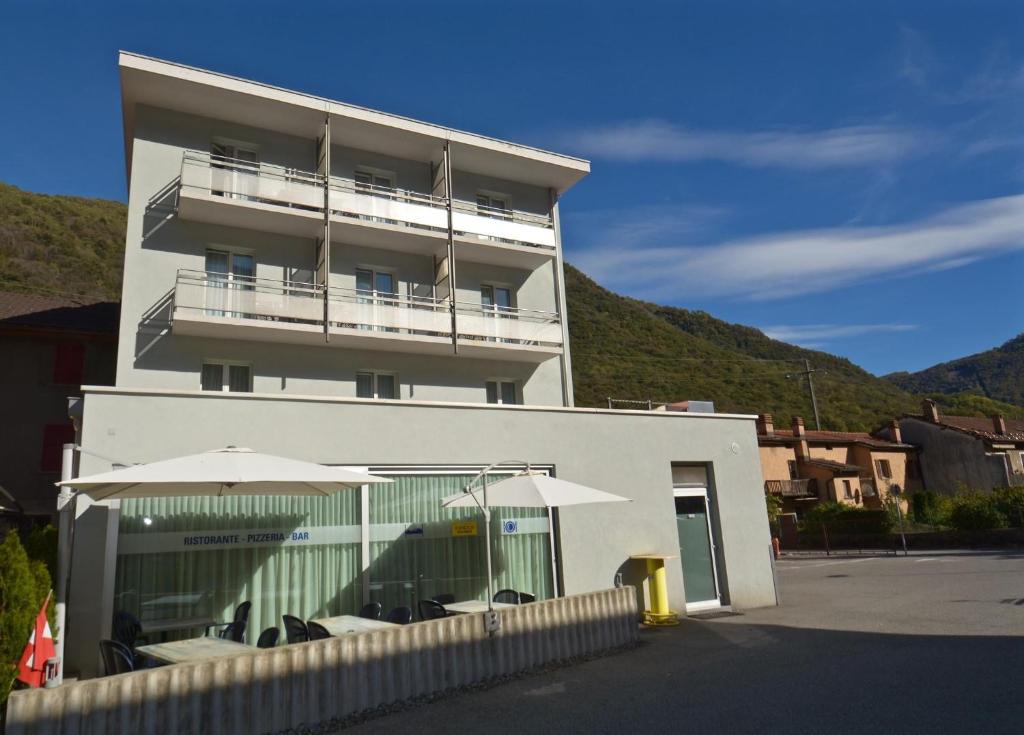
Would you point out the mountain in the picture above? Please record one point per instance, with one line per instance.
(997, 373)
(63, 245)
(621, 348)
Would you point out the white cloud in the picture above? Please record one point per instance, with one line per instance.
(817, 334)
(808, 261)
(661, 141)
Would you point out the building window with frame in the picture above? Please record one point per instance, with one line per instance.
(883, 469)
(847, 490)
(226, 377)
(793, 472)
(493, 205)
(68, 363)
(503, 392)
(372, 384)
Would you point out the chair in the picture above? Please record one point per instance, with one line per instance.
(371, 611)
(126, 629)
(445, 599)
(317, 632)
(431, 610)
(400, 615)
(241, 616)
(294, 629)
(525, 597)
(268, 638)
(510, 597)
(233, 632)
(117, 657)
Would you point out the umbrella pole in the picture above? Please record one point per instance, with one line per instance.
(487, 535)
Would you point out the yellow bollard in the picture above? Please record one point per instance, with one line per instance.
(657, 584)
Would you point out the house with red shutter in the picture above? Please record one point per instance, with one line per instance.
(49, 347)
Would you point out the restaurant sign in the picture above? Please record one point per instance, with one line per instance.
(251, 538)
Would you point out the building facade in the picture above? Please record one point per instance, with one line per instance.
(344, 286)
(965, 452)
(852, 468)
(50, 346)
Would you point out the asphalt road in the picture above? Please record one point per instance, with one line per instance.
(926, 643)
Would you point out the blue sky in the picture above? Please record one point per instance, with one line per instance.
(847, 176)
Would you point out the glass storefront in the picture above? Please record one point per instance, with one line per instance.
(186, 560)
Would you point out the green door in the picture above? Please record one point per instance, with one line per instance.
(695, 549)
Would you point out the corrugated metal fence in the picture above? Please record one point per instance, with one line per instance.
(313, 683)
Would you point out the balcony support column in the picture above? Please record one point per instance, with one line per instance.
(449, 197)
(322, 274)
(565, 360)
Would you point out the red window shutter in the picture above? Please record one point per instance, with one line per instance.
(69, 363)
(55, 436)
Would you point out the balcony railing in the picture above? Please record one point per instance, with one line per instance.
(792, 488)
(239, 180)
(366, 310)
(201, 293)
(233, 178)
(508, 325)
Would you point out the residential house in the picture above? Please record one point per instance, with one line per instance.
(325, 282)
(965, 451)
(51, 345)
(852, 468)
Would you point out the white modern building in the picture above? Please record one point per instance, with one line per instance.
(335, 284)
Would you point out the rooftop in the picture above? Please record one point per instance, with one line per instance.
(158, 83)
(34, 312)
(982, 428)
(786, 436)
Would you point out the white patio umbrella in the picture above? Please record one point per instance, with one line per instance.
(526, 489)
(221, 472)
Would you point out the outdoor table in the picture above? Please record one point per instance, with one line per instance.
(475, 606)
(345, 624)
(193, 649)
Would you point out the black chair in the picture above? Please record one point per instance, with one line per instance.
(317, 632)
(445, 599)
(431, 610)
(268, 638)
(294, 629)
(126, 629)
(371, 611)
(117, 657)
(241, 616)
(510, 597)
(525, 597)
(400, 615)
(233, 632)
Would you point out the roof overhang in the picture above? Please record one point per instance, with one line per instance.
(149, 81)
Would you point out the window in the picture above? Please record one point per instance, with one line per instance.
(375, 283)
(502, 392)
(371, 384)
(793, 474)
(847, 490)
(496, 298)
(374, 181)
(68, 364)
(226, 377)
(493, 205)
(883, 469)
(55, 436)
(236, 167)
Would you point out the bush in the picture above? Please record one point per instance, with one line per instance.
(840, 518)
(930, 508)
(1010, 502)
(41, 544)
(976, 512)
(24, 585)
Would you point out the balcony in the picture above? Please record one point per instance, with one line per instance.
(230, 307)
(261, 196)
(792, 488)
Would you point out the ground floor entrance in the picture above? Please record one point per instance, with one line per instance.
(696, 538)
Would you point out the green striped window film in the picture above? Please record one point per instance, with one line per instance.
(305, 579)
(415, 552)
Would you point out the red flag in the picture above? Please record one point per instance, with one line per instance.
(32, 666)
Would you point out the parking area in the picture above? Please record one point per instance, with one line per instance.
(924, 643)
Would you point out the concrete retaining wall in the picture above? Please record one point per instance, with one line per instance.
(310, 683)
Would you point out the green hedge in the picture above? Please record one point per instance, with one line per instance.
(24, 584)
(970, 510)
(838, 518)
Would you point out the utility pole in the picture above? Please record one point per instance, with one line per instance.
(808, 372)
